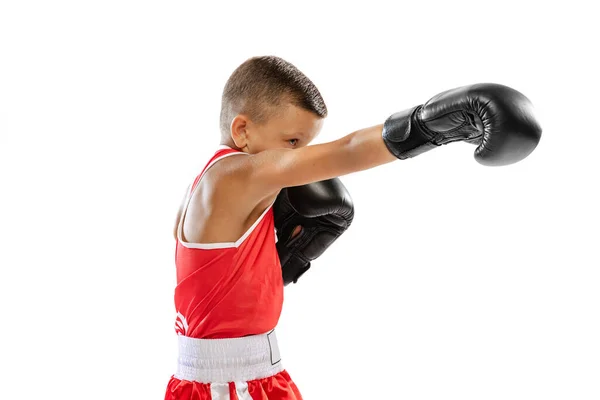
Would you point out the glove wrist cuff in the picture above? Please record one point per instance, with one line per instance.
(404, 136)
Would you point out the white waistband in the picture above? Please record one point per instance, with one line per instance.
(228, 360)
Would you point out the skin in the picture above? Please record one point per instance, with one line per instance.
(235, 191)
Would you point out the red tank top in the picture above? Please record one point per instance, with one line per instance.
(227, 290)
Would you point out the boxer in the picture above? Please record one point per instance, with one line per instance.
(232, 264)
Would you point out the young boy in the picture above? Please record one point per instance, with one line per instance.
(229, 292)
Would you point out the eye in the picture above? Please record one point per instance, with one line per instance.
(293, 142)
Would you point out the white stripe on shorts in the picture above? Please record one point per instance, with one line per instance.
(241, 389)
(220, 391)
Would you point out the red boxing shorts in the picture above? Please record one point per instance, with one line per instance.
(246, 368)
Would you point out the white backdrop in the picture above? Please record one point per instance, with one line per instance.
(455, 281)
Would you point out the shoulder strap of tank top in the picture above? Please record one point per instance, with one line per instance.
(222, 152)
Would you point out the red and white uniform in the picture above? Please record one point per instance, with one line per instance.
(228, 301)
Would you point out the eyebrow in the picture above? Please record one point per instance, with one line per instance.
(296, 134)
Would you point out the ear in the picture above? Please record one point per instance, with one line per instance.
(239, 131)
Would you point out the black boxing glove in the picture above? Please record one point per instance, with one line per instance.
(498, 119)
(323, 211)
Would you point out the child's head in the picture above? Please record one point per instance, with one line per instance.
(268, 103)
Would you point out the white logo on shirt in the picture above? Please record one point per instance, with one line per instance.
(181, 326)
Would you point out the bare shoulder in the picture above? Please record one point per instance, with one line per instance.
(221, 207)
(234, 179)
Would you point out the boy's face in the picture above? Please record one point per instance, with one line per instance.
(292, 128)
